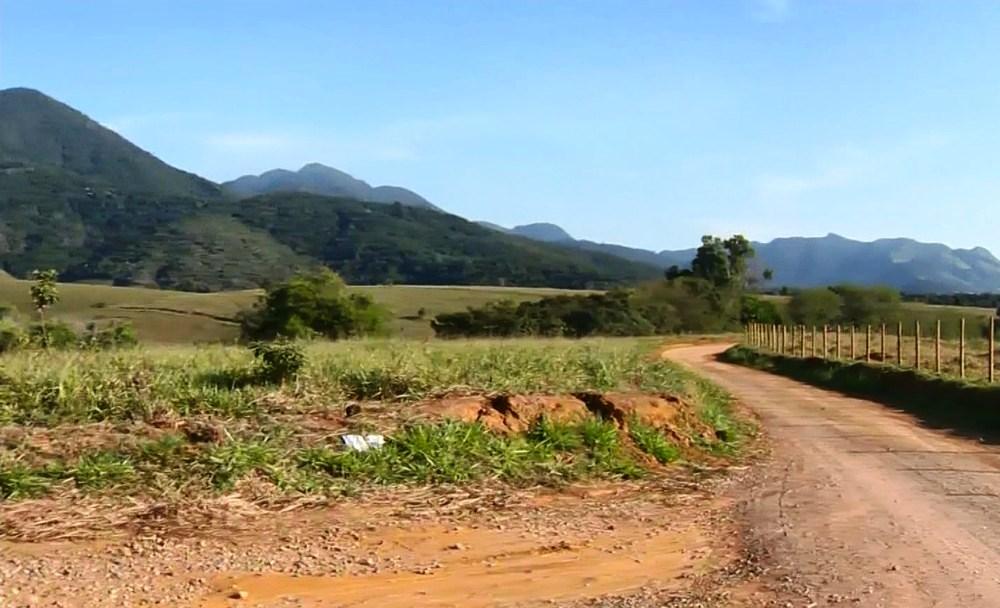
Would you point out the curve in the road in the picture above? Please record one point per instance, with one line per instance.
(862, 506)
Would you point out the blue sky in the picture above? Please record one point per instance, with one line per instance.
(644, 123)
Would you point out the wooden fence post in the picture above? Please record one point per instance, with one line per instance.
(961, 349)
(899, 344)
(868, 344)
(937, 347)
(993, 347)
(802, 346)
(854, 353)
(916, 341)
(784, 337)
(826, 348)
(814, 342)
(883, 343)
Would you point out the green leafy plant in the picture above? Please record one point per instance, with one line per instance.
(102, 469)
(44, 294)
(279, 361)
(651, 441)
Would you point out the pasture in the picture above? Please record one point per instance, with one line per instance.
(176, 317)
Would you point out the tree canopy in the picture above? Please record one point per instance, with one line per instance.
(313, 304)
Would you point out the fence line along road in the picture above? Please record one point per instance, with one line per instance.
(965, 358)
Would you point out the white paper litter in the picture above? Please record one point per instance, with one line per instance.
(363, 443)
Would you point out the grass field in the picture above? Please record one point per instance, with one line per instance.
(176, 317)
(175, 421)
(161, 316)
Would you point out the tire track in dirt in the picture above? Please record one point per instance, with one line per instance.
(861, 505)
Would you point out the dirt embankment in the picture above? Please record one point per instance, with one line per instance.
(517, 413)
(609, 543)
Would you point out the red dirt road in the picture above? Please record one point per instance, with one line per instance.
(862, 506)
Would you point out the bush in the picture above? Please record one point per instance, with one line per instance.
(819, 306)
(757, 310)
(115, 335)
(278, 361)
(315, 304)
(616, 313)
(12, 336)
(868, 305)
(53, 334)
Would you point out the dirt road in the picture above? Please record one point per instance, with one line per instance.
(862, 506)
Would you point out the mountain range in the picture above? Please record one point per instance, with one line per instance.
(315, 178)
(77, 197)
(906, 264)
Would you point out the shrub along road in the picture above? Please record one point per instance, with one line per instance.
(859, 504)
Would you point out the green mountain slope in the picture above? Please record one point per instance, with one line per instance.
(185, 243)
(374, 243)
(77, 197)
(38, 132)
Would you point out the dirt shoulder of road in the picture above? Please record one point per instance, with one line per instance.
(673, 542)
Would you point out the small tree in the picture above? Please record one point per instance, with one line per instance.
(314, 304)
(868, 304)
(818, 306)
(43, 295)
(757, 310)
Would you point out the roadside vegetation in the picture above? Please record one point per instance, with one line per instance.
(968, 407)
(192, 421)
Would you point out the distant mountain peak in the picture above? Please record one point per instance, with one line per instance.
(542, 231)
(537, 231)
(317, 178)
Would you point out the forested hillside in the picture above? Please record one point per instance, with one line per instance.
(76, 197)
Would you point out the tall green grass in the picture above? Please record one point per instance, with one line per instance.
(163, 391)
(39, 388)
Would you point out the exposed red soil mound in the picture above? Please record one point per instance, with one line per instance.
(516, 413)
